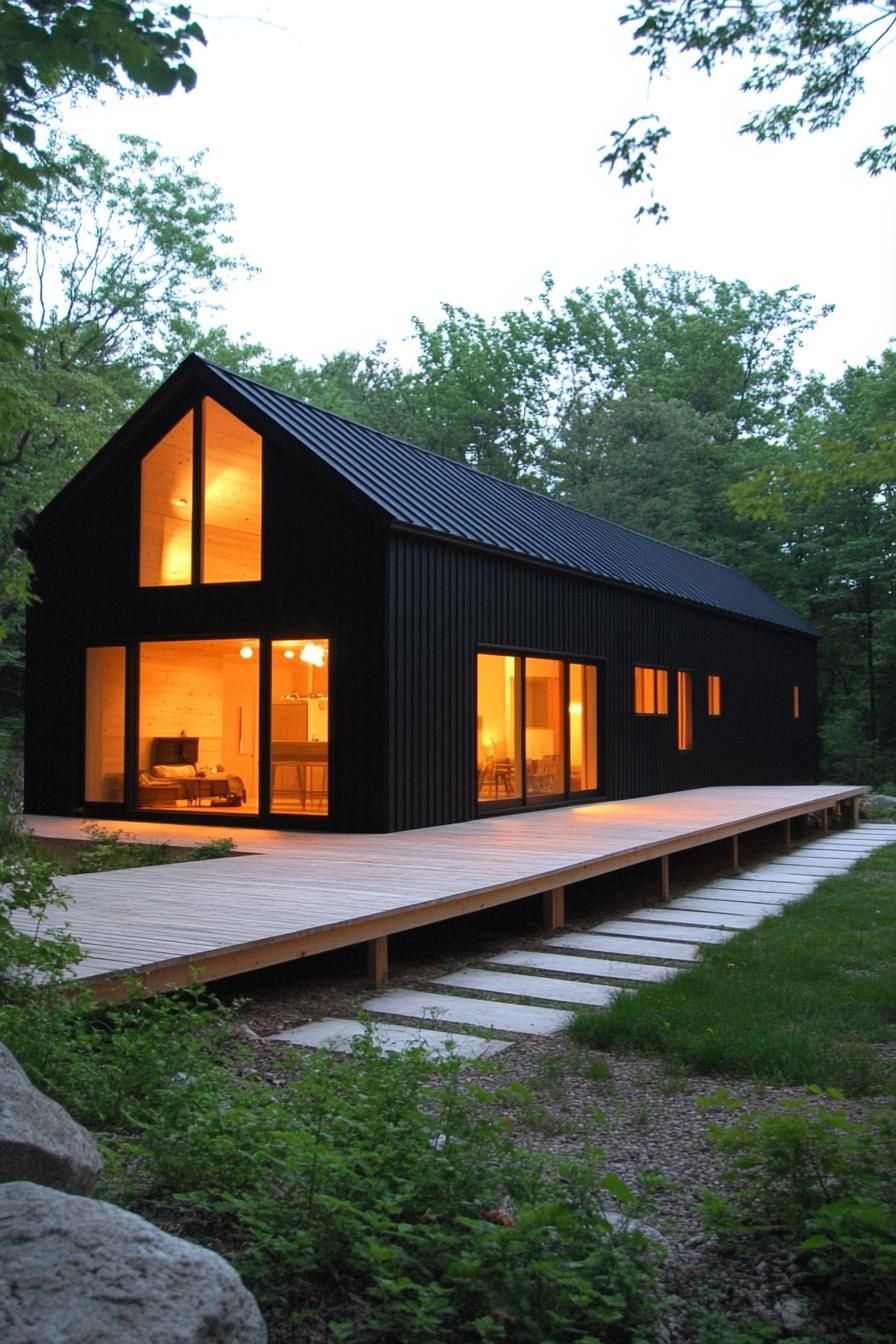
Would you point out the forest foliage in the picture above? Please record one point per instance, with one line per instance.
(667, 401)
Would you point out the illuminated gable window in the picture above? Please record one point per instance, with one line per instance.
(166, 509)
(221, 501)
(713, 696)
(231, 498)
(651, 690)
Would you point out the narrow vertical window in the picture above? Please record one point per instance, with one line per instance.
(498, 736)
(713, 696)
(166, 509)
(104, 726)
(651, 690)
(582, 727)
(685, 712)
(796, 702)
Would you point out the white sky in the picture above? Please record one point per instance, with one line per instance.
(385, 158)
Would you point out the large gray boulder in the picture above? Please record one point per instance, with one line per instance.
(39, 1141)
(78, 1271)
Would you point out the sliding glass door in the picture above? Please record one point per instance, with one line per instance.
(536, 729)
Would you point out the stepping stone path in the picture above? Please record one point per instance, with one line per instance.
(571, 968)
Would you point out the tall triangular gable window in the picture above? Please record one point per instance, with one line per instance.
(200, 502)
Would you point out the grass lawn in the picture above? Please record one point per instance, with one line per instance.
(804, 998)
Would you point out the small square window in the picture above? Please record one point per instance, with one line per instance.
(651, 690)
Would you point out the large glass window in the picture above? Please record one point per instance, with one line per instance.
(231, 498)
(498, 734)
(300, 726)
(198, 724)
(166, 509)
(229, 522)
(713, 696)
(104, 725)
(538, 742)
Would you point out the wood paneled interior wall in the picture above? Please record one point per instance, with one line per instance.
(447, 603)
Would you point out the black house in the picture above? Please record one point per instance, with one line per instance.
(254, 609)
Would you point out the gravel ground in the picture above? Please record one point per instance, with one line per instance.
(644, 1117)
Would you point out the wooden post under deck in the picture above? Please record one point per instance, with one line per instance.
(735, 851)
(825, 818)
(856, 811)
(788, 840)
(553, 908)
(664, 877)
(378, 960)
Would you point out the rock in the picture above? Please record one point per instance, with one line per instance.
(621, 1223)
(39, 1141)
(79, 1271)
(881, 800)
(793, 1313)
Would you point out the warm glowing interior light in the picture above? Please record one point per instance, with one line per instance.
(289, 653)
(181, 503)
(313, 654)
(247, 651)
(575, 706)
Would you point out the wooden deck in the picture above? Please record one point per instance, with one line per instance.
(290, 895)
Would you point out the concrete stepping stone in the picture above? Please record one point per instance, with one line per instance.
(746, 897)
(627, 947)
(769, 872)
(436, 1009)
(336, 1033)
(724, 907)
(663, 915)
(531, 987)
(598, 966)
(765, 886)
(645, 928)
(818, 864)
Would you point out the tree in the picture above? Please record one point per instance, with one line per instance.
(676, 386)
(811, 52)
(52, 49)
(115, 264)
(833, 489)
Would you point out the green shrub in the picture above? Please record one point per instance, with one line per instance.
(809, 1177)
(110, 850)
(377, 1198)
(30, 951)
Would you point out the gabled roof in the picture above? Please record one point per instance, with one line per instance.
(421, 490)
(418, 489)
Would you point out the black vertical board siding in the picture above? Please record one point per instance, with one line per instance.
(446, 603)
(324, 567)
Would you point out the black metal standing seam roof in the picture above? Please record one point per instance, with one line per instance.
(420, 489)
